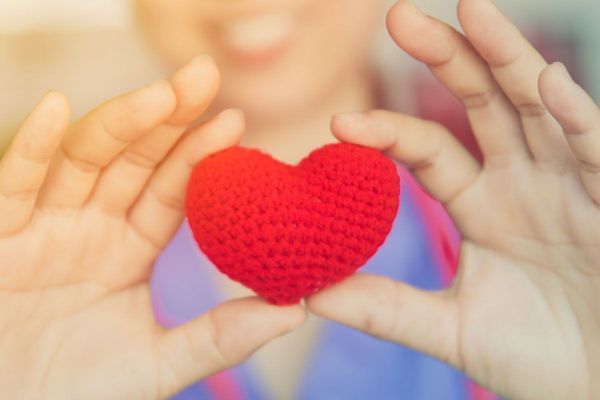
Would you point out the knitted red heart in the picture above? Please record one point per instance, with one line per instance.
(285, 231)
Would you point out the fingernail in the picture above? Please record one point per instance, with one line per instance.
(350, 118)
(203, 58)
(54, 96)
(231, 111)
(160, 82)
(414, 8)
(159, 85)
(409, 6)
(563, 71)
(50, 95)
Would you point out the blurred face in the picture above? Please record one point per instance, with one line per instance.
(277, 57)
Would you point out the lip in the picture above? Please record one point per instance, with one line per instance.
(259, 57)
(251, 50)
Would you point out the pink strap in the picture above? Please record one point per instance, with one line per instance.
(445, 243)
(223, 386)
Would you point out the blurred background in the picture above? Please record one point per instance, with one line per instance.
(92, 51)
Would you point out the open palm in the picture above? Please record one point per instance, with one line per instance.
(84, 212)
(523, 314)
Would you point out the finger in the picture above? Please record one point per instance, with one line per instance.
(195, 86)
(159, 211)
(459, 67)
(437, 159)
(424, 321)
(220, 339)
(579, 117)
(94, 141)
(516, 66)
(25, 164)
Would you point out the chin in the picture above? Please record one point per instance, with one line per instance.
(274, 100)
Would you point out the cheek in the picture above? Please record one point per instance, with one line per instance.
(334, 43)
(348, 28)
(338, 44)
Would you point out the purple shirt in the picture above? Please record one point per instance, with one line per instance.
(345, 364)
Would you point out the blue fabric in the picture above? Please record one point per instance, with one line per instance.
(351, 365)
(244, 379)
(345, 364)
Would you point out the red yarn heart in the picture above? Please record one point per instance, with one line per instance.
(285, 231)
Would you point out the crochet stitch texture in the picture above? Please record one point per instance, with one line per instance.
(288, 231)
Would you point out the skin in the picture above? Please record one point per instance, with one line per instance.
(86, 209)
(524, 307)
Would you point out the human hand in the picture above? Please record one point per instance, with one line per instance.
(523, 314)
(84, 212)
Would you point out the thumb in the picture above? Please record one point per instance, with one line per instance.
(219, 339)
(393, 311)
